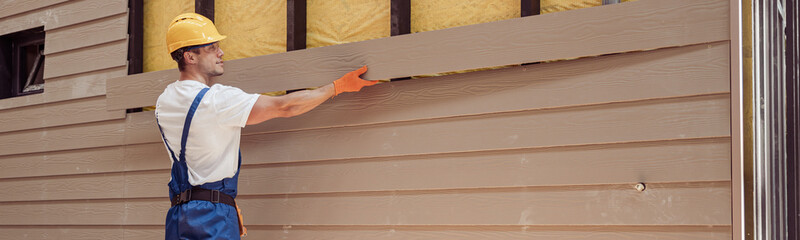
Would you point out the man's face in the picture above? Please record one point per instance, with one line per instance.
(210, 60)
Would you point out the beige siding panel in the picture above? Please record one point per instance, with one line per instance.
(149, 156)
(21, 101)
(660, 161)
(141, 127)
(489, 232)
(587, 32)
(81, 85)
(86, 34)
(12, 7)
(62, 232)
(693, 117)
(57, 114)
(691, 70)
(685, 71)
(448, 232)
(660, 204)
(108, 55)
(90, 186)
(88, 135)
(62, 15)
(72, 212)
(81, 161)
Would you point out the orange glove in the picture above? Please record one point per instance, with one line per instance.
(351, 82)
(242, 229)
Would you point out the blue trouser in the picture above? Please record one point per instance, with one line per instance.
(199, 219)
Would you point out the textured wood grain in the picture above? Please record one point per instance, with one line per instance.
(635, 121)
(660, 161)
(73, 212)
(90, 186)
(141, 128)
(690, 70)
(62, 15)
(88, 135)
(87, 84)
(57, 114)
(26, 100)
(12, 7)
(107, 55)
(465, 232)
(86, 34)
(661, 204)
(64, 232)
(587, 32)
(81, 161)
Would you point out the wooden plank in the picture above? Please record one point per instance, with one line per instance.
(89, 186)
(149, 156)
(401, 17)
(57, 114)
(464, 232)
(63, 232)
(82, 161)
(295, 25)
(26, 100)
(141, 128)
(103, 56)
(205, 8)
(691, 70)
(660, 161)
(694, 117)
(87, 34)
(612, 29)
(85, 212)
(62, 15)
(13, 7)
(609, 205)
(87, 84)
(87, 135)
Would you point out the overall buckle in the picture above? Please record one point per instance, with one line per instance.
(185, 197)
(215, 196)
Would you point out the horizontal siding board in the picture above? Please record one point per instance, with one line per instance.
(684, 71)
(13, 7)
(695, 117)
(108, 55)
(691, 70)
(73, 212)
(87, 135)
(587, 32)
(395, 232)
(80, 161)
(26, 100)
(141, 127)
(57, 114)
(63, 14)
(662, 161)
(62, 232)
(92, 186)
(87, 34)
(82, 85)
(661, 204)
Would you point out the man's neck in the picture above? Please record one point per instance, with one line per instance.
(195, 76)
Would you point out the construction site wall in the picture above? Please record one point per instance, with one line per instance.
(543, 148)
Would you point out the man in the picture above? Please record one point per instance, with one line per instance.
(201, 124)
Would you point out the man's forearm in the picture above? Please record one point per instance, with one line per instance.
(303, 101)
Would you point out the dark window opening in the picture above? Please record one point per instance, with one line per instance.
(22, 63)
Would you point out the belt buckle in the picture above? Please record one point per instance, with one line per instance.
(213, 198)
(185, 196)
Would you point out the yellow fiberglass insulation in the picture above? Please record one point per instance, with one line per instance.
(331, 22)
(253, 27)
(428, 15)
(157, 14)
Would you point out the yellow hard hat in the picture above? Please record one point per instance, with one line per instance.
(191, 29)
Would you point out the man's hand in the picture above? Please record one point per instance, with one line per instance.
(351, 82)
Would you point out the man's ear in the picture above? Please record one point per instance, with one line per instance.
(189, 57)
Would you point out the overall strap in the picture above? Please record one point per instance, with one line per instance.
(188, 122)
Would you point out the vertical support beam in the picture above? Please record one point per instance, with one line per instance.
(135, 36)
(295, 25)
(793, 118)
(205, 8)
(737, 124)
(401, 17)
(608, 2)
(530, 8)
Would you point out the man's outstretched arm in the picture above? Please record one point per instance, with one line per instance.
(300, 102)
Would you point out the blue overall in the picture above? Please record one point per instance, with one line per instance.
(199, 219)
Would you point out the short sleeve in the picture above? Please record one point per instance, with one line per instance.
(232, 105)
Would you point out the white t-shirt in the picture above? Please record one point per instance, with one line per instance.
(212, 148)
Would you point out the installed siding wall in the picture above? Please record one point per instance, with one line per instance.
(60, 151)
(542, 151)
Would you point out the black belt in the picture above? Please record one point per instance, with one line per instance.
(196, 193)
